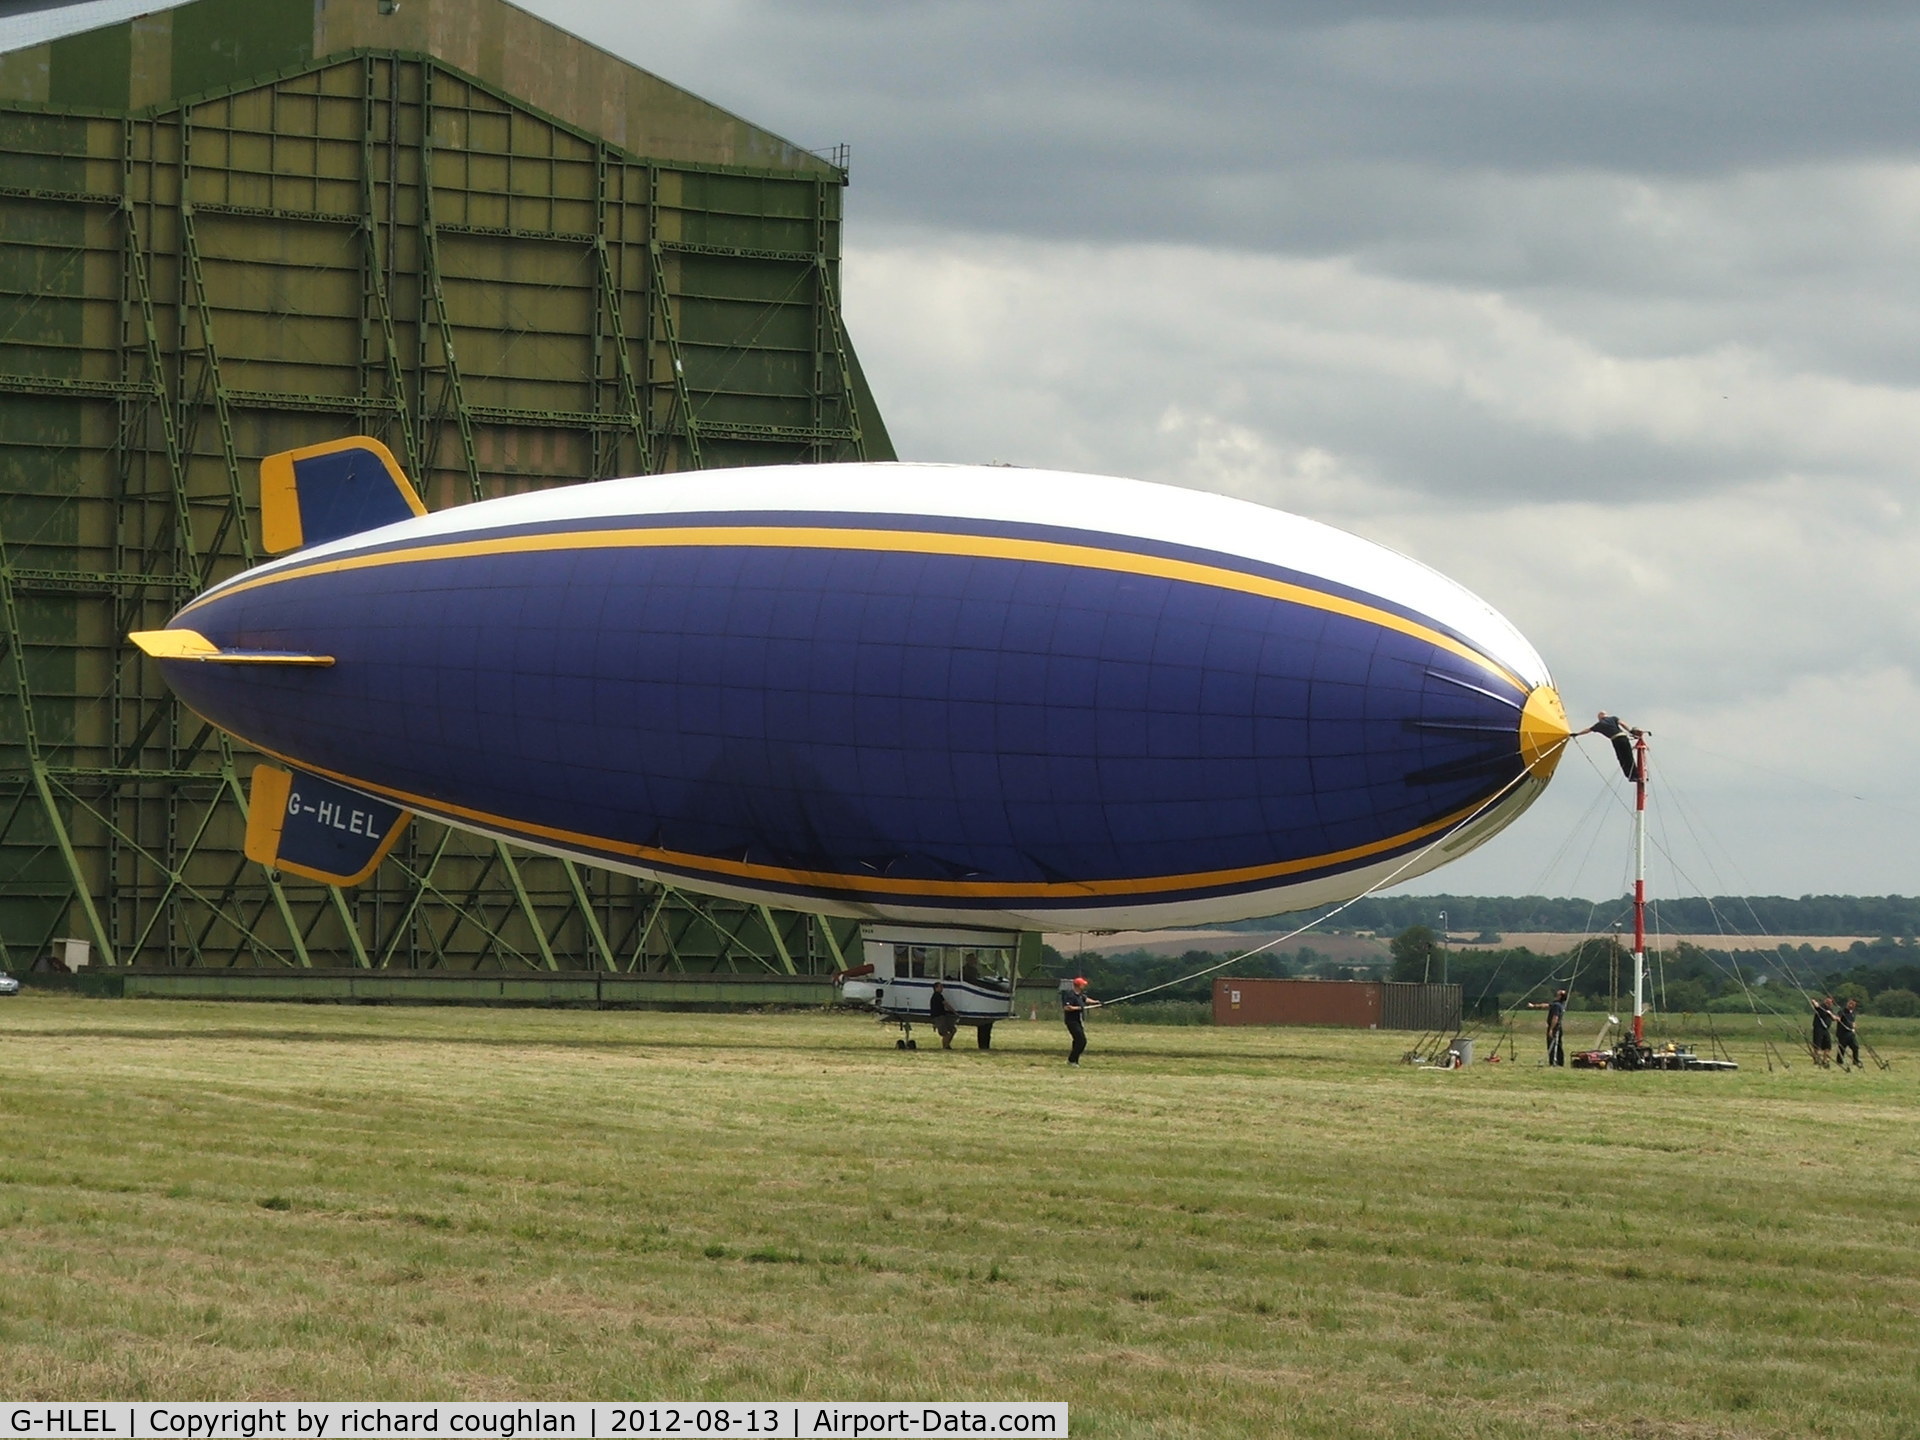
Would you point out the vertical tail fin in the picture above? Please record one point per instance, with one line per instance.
(324, 492)
(318, 829)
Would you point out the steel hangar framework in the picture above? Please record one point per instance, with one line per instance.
(238, 226)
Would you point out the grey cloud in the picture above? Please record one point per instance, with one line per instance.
(1447, 397)
(1092, 94)
(1718, 168)
(1524, 147)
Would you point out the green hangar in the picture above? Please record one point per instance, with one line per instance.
(233, 227)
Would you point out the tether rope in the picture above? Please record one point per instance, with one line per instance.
(1371, 890)
(1727, 933)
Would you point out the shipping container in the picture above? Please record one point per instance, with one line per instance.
(1354, 1004)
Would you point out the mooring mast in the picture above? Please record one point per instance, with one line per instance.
(1639, 882)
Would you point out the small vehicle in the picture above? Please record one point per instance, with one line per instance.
(8, 985)
(975, 968)
(1628, 1055)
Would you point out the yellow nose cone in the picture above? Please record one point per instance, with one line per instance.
(1544, 731)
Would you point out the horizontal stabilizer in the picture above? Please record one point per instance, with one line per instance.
(318, 829)
(325, 492)
(192, 645)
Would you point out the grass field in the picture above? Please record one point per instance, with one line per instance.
(1200, 1233)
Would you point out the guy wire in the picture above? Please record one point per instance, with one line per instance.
(1372, 889)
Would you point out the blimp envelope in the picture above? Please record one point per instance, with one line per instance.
(918, 693)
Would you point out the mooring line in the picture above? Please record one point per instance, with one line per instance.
(1371, 890)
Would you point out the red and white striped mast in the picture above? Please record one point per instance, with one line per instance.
(1639, 882)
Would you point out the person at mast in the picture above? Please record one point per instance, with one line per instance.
(1622, 735)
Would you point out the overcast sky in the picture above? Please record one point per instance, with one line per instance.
(1614, 317)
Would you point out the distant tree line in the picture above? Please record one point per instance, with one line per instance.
(1127, 971)
(1883, 975)
(1894, 916)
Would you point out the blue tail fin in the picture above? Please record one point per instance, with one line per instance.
(324, 492)
(318, 829)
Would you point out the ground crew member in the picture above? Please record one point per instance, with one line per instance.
(1823, 1030)
(1074, 1004)
(945, 1019)
(1556, 1009)
(1846, 1022)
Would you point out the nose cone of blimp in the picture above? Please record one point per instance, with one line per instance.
(1544, 731)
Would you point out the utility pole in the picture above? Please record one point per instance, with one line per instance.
(1443, 947)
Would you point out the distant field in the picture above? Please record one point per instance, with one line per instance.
(1545, 943)
(1363, 947)
(1221, 942)
(1202, 1233)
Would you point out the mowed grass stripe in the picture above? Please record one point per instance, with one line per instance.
(1202, 1232)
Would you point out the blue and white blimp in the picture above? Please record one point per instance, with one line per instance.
(920, 695)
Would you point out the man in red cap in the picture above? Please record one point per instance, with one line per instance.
(1074, 1004)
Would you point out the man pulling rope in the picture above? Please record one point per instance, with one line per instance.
(1074, 1004)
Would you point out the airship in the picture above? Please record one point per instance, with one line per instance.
(921, 695)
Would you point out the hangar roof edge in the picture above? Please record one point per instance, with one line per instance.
(121, 55)
(27, 23)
